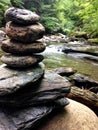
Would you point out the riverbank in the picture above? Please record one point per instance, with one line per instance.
(78, 36)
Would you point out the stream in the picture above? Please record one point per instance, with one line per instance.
(82, 62)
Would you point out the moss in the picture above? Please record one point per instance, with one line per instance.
(92, 50)
(93, 41)
(1, 53)
(81, 35)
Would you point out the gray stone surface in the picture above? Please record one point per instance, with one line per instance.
(12, 80)
(21, 16)
(47, 90)
(14, 47)
(25, 34)
(21, 61)
(84, 81)
(24, 119)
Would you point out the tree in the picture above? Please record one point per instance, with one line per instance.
(17, 3)
(66, 16)
(3, 6)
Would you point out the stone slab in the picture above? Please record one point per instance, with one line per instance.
(12, 80)
(24, 119)
(47, 90)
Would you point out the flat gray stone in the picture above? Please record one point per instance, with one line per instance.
(47, 90)
(24, 34)
(21, 61)
(12, 80)
(24, 119)
(21, 16)
(14, 47)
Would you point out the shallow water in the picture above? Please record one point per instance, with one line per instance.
(55, 58)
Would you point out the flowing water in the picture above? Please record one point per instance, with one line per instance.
(54, 57)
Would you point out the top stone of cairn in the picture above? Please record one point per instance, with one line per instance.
(21, 16)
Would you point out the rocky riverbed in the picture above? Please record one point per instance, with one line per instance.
(83, 58)
(62, 51)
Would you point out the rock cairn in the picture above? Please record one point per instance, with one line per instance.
(27, 94)
(23, 30)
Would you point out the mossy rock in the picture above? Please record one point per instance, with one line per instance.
(93, 41)
(81, 35)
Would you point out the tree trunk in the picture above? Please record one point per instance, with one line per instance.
(86, 97)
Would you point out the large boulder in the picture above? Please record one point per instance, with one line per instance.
(75, 116)
(21, 61)
(24, 34)
(14, 47)
(21, 16)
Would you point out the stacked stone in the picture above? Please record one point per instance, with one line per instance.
(23, 30)
(26, 93)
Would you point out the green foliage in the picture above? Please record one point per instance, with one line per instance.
(3, 6)
(87, 14)
(51, 24)
(17, 3)
(78, 15)
(45, 8)
(66, 16)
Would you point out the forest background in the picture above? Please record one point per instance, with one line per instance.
(64, 16)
